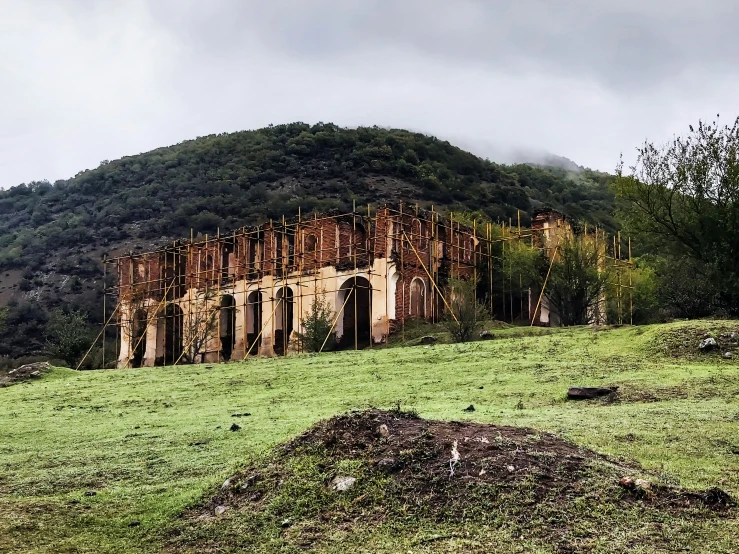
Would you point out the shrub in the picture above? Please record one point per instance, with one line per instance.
(317, 324)
(467, 314)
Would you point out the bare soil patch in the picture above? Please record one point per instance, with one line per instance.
(374, 467)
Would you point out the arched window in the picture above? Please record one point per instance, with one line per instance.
(469, 247)
(344, 238)
(311, 243)
(418, 235)
(418, 298)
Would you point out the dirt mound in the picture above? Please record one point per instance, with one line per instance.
(362, 470)
(24, 373)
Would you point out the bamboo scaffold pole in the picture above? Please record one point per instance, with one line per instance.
(544, 285)
(336, 319)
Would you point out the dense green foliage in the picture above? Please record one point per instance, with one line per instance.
(69, 336)
(682, 202)
(577, 281)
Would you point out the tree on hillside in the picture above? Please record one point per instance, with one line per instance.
(69, 335)
(577, 281)
(683, 200)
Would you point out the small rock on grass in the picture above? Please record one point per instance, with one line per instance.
(343, 483)
(642, 484)
(90, 493)
(632, 484)
(220, 510)
(707, 344)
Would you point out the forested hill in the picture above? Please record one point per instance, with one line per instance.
(52, 236)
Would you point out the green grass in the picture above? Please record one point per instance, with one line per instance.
(153, 441)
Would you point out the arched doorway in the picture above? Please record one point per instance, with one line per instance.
(227, 326)
(283, 319)
(356, 297)
(418, 298)
(172, 334)
(253, 321)
(138, 337)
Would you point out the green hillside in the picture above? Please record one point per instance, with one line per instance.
(230, 180)
(131, 461)
(53, 236)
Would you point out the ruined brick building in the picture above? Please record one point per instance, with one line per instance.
(246, 293)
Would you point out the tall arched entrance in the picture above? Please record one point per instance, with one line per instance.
(253, 322)
(138, 337)
(418, 298)
(283, 319)
(356, 297)
(227, 326)
(173, 323)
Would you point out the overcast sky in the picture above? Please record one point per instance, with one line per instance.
(87, 80)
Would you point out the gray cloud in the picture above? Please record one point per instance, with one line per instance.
(82, 81)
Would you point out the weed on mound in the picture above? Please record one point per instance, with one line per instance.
(389, 481)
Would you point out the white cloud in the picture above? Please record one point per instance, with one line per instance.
(83, 81)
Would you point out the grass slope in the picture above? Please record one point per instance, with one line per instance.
(154, 442)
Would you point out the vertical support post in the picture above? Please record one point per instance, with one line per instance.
(402, 276)
(105, 315)
(618, 289)
(368, 245)
(353, 250)
(518, 214)
(631, 288)
(490, 267)
(474, 254)
(217, 275)
(433, 262)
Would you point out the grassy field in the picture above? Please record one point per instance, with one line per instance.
(153, 442)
